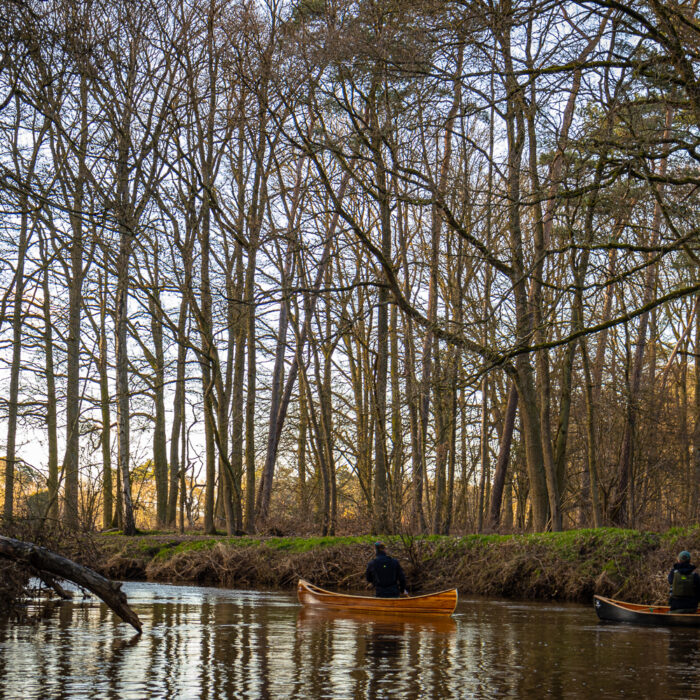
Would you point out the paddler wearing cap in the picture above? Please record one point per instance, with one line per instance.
(386, 574)
(685, 585)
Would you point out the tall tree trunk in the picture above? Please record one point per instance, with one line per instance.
(553, 456)
(25, 171)
(235, 377)
(127, 221)
(327, 411)
(579, 264)
(277, 386)
(51, 398)
(207, 364)
(540, 494)
(442, 441)
(178, 416)
(536, 300)
(319, 442)
(685, 461)
(484, 438)
(122, 362)
(452, 464)
(160, 457)
(357, 351)
(500, 473)
(452, 388)
(209, 452)
(237, 389)
(619, 511)
(601, 346)
(301, 454)
(696, 430)
(106, 437)
(183, 468)
(250, 396)
(77, 274)
(542, 489)
(397, 452)
(508, 507)
(70, 463)
(259, 199)
(433, 290)
(15, 367)
(591, 468)
(382, 522)
(418, 523)
(225, 474)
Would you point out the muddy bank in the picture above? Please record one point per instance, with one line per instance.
(568, 566)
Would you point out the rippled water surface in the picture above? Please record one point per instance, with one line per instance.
(213, 643)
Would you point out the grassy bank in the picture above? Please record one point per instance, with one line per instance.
(570, 566)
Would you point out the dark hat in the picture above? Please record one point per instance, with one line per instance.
(684, 556)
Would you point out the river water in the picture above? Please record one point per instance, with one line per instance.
(214, 643)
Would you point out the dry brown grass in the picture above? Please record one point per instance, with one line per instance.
(247, 567)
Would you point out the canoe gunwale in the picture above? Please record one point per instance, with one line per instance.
(322, 591)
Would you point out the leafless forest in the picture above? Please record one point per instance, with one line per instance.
(331, 266)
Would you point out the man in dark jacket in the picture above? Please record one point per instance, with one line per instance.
(685, 585)
(385, 573)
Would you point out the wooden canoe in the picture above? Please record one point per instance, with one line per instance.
(441, 603)
(619, 611)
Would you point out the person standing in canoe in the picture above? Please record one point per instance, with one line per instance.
(386, 574)
(685, 585)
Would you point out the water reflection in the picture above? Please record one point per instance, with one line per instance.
(684, 648)
(365, 655)
(313, 618)
(209, 643)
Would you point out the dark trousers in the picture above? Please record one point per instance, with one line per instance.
(386, 591)
(683, 606)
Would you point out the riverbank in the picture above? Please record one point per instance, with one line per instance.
(569, 566)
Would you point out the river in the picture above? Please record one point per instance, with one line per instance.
(214, 643)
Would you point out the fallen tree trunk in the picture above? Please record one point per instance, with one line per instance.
(45, 561)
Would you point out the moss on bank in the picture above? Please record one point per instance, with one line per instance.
(570, 565)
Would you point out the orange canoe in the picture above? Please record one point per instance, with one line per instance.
(441, 603)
